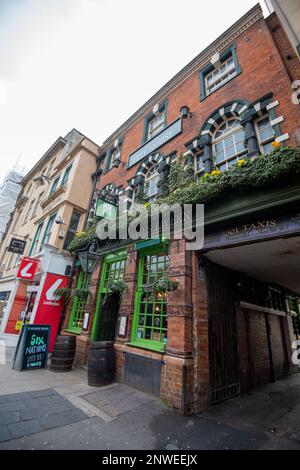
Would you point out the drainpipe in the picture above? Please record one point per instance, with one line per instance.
(95, 177)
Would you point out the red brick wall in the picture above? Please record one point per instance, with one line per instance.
(260, 357)
(200, 336)
(286, 50)
(242, 322)
(278, 346)
(253, 347)
(263, 71)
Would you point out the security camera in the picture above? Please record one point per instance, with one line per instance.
(59, 220)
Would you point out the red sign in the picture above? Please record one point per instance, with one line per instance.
(50, 305)
(27, 269)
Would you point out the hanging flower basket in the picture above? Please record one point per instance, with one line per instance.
(117, 287)
(166, 285)
(148, 287)
(81, 294)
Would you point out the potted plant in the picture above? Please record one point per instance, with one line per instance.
(166, 285)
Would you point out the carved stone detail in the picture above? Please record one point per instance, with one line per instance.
(180, 271)
(180, 311)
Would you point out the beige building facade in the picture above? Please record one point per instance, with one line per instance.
(51, 207)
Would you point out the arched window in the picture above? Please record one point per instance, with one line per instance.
(150, 182)
(228, 144)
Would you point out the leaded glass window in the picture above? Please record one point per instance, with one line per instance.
(265, 134)
(79, 303)
(228, 144)
(150, 183)
(150, 327)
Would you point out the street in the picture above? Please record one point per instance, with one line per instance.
(40, 409)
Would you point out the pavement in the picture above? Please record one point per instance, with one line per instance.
(40, 409)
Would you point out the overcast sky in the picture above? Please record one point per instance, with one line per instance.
(90, 64)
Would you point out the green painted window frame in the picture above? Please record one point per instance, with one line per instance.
(66, 175)
(162, 109)
(78, 305)
(159, 302)
(209, 68)
(55, 184)
(36, 237)
(109, 260)
(49, 225)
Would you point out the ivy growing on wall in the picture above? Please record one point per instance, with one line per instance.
(279, 166)
(266, 170)
(181, 174)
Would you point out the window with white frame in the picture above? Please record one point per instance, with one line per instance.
(228, 144)
(155, 125)
(220, 75)
(116, 155)
(199, 167)
(150, 183)
(265, 134)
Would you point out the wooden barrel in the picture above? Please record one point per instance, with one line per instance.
(101, 363)
(63, 354)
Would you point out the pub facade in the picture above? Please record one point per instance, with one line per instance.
(198, 326)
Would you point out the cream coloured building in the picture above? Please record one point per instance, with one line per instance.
(51, 207)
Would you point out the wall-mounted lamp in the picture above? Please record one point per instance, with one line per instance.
(185, 112)
(40, 179)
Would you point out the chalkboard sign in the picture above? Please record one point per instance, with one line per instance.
(32, 347)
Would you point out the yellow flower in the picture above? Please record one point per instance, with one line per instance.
(79, 234)
(205, 175)
(146, 204)
(215, 172)
(275, 144)
(241, 162)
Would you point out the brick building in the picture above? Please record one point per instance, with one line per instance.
(230, 323)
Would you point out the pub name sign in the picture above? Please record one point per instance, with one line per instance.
(163, 137)
(16, 246)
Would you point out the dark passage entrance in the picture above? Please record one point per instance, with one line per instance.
(106, 326)
(223, 351)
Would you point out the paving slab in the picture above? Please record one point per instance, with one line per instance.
(32, 412)
(117, 400)
(62, 412)
(24, 428)
(8, 417)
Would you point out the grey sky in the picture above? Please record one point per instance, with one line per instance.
(90, 64)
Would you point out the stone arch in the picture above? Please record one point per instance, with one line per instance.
(229, 110)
